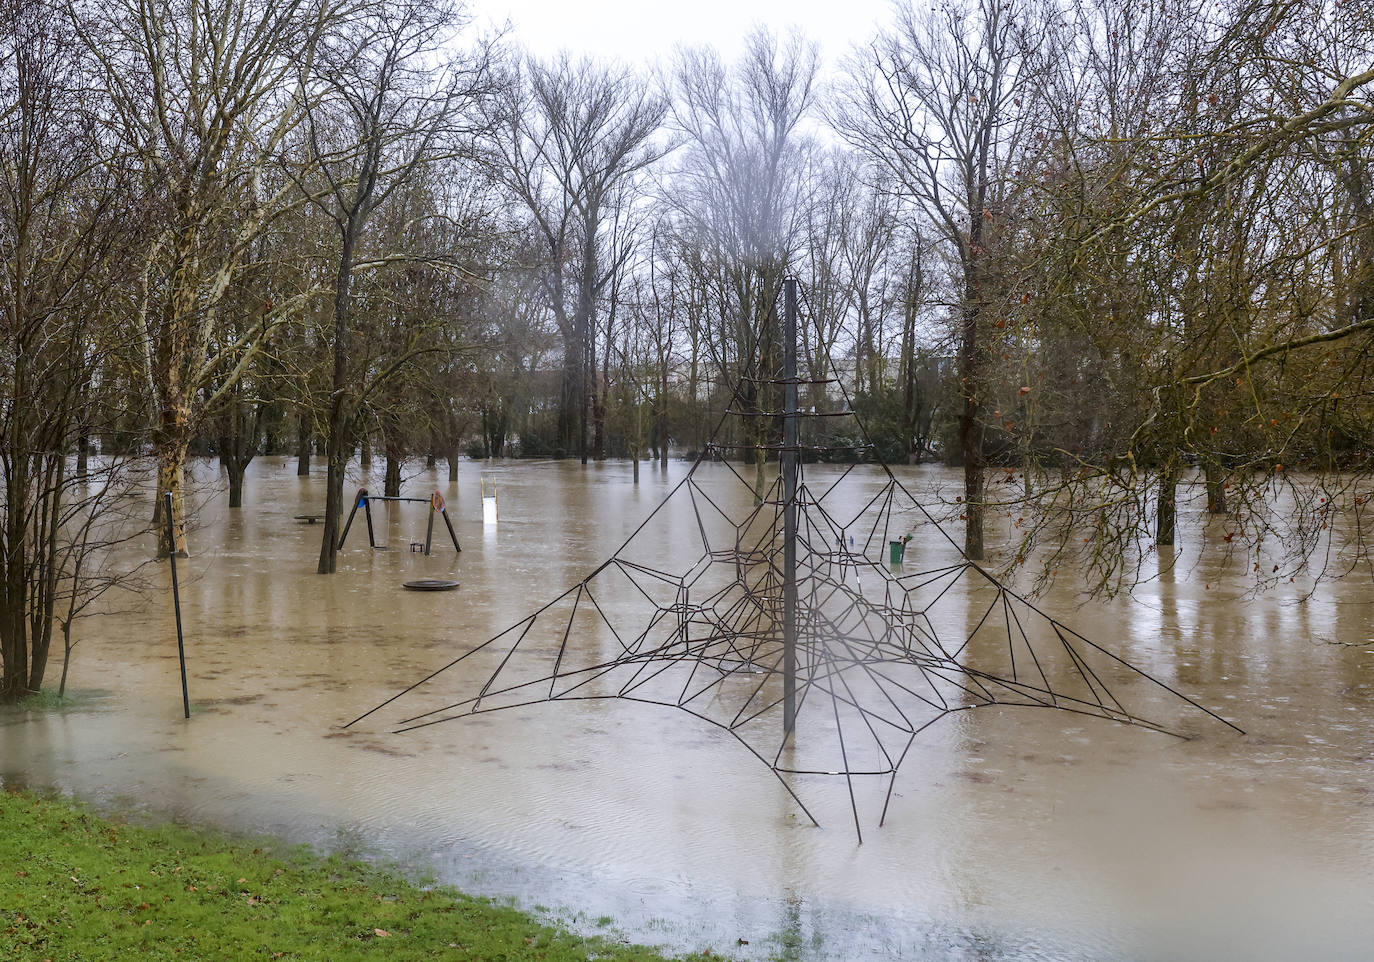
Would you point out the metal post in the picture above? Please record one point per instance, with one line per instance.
(367, 513)
(362, 495)
(451, 533)
(176, 603)
(429, 528)
(790, 455)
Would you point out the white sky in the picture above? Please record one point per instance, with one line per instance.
(646, 31)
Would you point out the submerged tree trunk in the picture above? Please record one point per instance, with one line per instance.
(235, 469)
(583, 409)
(600, 382)
(391, 487)
(454, 446)
(908, 378)
(1166, 509)
(333, 499)
(340, 411)
(303, 447)
(238, 445)
(663, 421)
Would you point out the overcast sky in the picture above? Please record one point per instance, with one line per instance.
(646, 31)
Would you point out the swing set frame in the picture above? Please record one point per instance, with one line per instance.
(436, 506)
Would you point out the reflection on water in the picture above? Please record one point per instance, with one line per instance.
(1013, 834)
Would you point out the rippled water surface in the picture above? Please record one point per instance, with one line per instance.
(1013, 834)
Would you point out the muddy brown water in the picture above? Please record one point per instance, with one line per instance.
(1013, 834)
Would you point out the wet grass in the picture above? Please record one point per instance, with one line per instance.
(50, 700)
(76, 886)
(44, 701)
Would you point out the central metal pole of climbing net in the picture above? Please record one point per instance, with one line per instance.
(790, 457)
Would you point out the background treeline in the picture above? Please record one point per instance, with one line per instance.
(1099, 254)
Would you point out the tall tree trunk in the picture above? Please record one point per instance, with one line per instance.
(586, 320)
(172, 443)
(40, 627)
(907, 370)
(14, 627)
(303, 446)
(598, 391)
(235, 469)
(340, 412)
(174, 347)
(663, 421)
(971, 430)
(583, 394)
(454, 446)
(1166, 509)
(237, 448)
(391, 486)
(337, 459)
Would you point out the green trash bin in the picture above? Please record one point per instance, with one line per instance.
(895, 550)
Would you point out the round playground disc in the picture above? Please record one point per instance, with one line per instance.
(431, 584)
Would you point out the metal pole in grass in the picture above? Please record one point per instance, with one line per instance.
(176, 603)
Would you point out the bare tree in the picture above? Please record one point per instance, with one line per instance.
(65, 227)
(740, 190)
(380, 110)
(202, 95)
(938, 102)
(571, 135)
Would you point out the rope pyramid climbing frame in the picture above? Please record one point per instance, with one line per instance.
(790, 627)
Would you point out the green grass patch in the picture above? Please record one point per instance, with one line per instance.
(75, 699)
(45, 701)
(78, 887)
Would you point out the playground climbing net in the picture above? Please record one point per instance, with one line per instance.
(696, 617)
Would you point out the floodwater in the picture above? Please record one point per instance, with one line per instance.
(1012, 834)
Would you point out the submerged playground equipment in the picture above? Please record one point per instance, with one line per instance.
(795, 625)
(436, 504)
